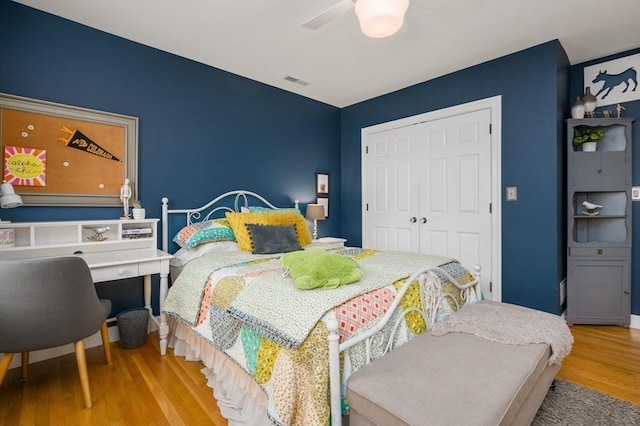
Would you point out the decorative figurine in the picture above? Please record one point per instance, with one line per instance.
(590, 208)
(620, 108)
(99, 233)
(125, 195)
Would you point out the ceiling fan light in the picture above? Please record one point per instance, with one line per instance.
(381, 18)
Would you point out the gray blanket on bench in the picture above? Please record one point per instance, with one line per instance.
(510, 324)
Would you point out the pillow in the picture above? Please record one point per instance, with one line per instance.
(185, 255)
(258, 209)
(203, 232)
(239, 221)
(269, 239)
(222, 221)
(318, 268)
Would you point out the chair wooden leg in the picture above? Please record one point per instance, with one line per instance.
(82, 369)
(4, 365)
(25, 366)
(105, 342)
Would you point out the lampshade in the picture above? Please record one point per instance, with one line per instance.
(315, 212)
(9, 199)
(381, 18)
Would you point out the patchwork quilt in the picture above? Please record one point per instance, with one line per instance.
(248, 308)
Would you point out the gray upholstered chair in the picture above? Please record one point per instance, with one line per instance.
(46, 303)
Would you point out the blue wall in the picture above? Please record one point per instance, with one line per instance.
(632, 109)
(202, 131)
(534, 88)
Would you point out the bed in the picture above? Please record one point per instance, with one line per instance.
(279, 338)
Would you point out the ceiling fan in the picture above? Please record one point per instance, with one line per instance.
(378, 18)
(329, 14)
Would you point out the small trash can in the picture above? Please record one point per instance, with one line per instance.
(132, 327)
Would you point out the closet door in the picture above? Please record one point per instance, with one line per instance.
(455, 188)
(391, 191)
(427, 186)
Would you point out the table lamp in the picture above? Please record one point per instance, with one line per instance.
(315, 212)
(8, 198)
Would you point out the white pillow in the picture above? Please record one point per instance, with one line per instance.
(184, 255)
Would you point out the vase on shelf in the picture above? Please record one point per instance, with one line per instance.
(589, 146)
(577, 110)
(590, 102)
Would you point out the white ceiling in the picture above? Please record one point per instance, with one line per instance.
(264, 40)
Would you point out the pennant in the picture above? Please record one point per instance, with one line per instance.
(78, 140)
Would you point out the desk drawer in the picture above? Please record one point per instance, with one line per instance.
(118, 272)
(150, 267)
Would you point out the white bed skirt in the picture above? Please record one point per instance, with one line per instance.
(239, 397)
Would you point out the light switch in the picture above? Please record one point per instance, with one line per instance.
(512, 193)
(635, 193)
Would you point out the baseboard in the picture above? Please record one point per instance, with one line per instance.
(635, 321)
(89, 342)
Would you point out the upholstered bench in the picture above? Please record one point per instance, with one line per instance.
(456, 379)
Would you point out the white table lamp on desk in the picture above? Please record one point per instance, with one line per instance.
(8, 200)
(315, 212)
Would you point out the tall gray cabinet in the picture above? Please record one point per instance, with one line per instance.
(599, 239)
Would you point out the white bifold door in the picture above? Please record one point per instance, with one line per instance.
(427, 189)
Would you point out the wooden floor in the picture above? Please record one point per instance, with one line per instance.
(606, 358)
(143, 388)
(140, 387)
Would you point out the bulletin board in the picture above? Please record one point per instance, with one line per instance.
(56, 154)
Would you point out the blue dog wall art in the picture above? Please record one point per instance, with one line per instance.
(615, 81)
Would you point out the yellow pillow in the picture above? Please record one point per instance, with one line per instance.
(238, 222)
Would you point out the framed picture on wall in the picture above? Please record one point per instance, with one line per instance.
(74, 156)
(325, 203)
(322, 183)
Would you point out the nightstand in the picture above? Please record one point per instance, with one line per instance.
(332, 240)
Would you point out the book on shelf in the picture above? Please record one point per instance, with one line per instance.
(135, 231)
(134, 236)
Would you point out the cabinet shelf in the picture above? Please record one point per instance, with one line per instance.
(614, 203)
(616, 138)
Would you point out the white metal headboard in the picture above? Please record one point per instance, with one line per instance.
(199, 214)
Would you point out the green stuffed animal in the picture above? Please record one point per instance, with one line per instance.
(318, 268)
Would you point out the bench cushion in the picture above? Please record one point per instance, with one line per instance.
(454, 379)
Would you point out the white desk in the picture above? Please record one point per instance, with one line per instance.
(116, 265)
(117, 256)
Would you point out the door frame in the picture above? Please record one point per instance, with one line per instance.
(494, 104)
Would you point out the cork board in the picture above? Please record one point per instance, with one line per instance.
(56, 154)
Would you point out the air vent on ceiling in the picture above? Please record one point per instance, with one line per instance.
(296, 80)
